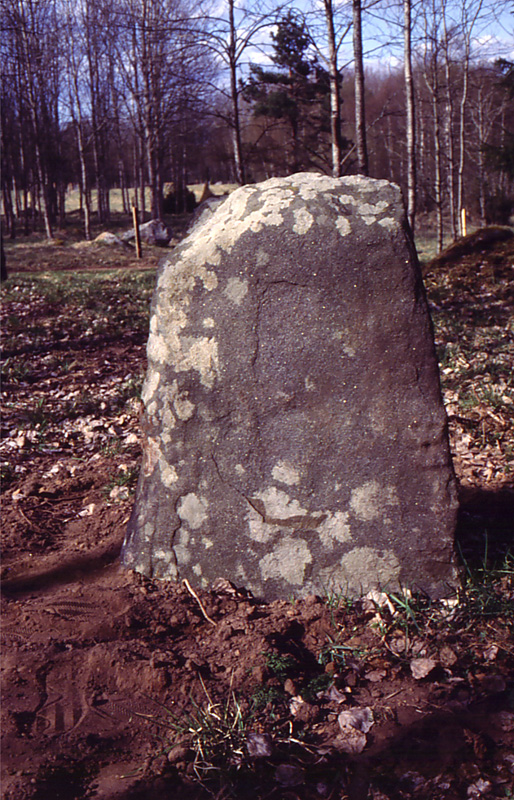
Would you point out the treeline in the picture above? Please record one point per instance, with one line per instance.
(134, 93)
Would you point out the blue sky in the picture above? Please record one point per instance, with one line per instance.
(492, 32)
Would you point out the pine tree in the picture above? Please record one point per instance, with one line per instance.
(297, 93)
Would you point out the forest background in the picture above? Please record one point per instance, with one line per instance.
(127, 94)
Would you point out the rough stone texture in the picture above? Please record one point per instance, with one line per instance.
(109, 239)
(295, 439)
(152, 232)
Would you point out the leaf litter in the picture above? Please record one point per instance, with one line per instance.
(117, 687)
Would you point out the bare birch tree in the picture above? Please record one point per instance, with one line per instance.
(360, 108)
(28, 24)
(410, 114)
(230, 30)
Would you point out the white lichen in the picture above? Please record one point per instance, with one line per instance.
(287, 561)
(193, 510)
(284, 472)
(334, 529)
(236, 290)
(369, 501)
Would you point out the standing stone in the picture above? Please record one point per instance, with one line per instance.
(295, 439)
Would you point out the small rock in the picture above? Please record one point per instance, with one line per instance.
(152, 232)
(109, 239)
(259, 673)
(289, 687)
(88, 511)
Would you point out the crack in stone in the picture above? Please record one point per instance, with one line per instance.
(299, 522)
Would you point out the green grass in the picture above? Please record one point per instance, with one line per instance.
(116, 202)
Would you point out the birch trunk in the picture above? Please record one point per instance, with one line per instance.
(360, 110)
(411, 116)
(234, 94)
(335, 100)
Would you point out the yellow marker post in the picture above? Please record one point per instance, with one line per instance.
(463, 221)
(136, 230)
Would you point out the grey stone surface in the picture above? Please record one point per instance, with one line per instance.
(152, 232)
(295, 439)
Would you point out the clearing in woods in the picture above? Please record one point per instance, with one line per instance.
(116, 687)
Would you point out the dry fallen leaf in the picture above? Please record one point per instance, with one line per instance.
(259, 745)
(88, 511)
(491, 653)
(375, 675)
(447, 657)
(480, 788)
(354, 725)
(350, 741)
(421, 667)
(360, 719)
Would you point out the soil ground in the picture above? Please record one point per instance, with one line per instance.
(119, 688)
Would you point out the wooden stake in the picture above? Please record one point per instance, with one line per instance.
(135, 218)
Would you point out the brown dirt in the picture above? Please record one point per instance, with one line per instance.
(110, 680)
(95, 656)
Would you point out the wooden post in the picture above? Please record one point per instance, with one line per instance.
(135, 219)
(463, 222)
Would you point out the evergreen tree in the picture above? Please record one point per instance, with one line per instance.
(297, 93)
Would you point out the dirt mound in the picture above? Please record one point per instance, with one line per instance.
(477, 243)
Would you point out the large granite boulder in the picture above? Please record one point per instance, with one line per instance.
(295, 440)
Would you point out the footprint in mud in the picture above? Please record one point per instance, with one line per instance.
(64, 708)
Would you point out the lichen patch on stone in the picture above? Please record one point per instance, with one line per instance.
(199, 354)
(335, 528)
(236, 290)
(369, 501)
(193, 510)
(284, 472)
(183, 407)
(389, 223)
(151, 453)
(343, 226)
(303, 220)
(287, 561)
(150, 387)
(364, 567)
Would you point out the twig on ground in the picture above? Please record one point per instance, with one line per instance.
(202, 609)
